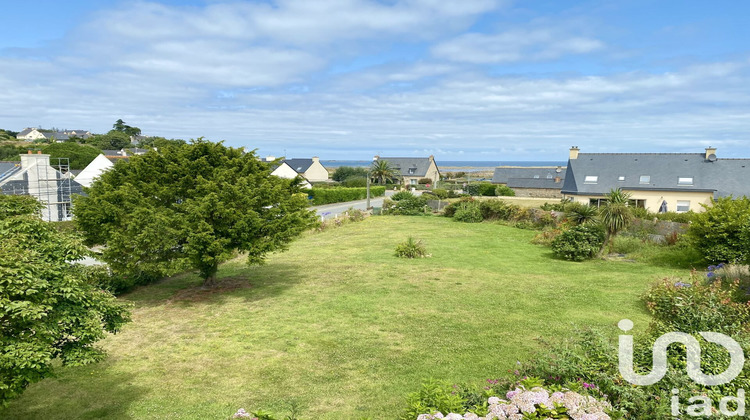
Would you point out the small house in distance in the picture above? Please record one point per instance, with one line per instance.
(310, 169)
(677, 182)
(412, 169)
(540, 181)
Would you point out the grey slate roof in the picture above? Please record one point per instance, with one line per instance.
(7, 165)
(503, 174)
(299, 165)
(409, 166)
(534, 183)
(56, 135)
(25, 131)
(114, 153)
(723, 177)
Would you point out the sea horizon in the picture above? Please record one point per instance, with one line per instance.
(470, 165)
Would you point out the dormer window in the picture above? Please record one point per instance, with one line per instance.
(591, 179)
(645, 179)
(536, 176)
(549, 176)
(687, 181)
(412, 171)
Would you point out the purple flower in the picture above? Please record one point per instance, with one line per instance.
(710, 274)
(711, 267)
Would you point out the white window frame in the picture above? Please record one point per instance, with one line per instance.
(683, 206)
(621, 178)
(591, 179)
(412, 181)
(685, 181)
(647, 181)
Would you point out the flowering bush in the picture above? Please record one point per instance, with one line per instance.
(536, 403)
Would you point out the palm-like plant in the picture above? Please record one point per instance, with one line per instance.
(615, 215)
(382, 170)
(581, 214)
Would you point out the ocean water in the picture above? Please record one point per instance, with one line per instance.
(476, 165)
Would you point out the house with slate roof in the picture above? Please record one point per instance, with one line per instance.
(310, 169)
(412, 169)
(677, 182)
(30, 134)
(540, 181)
(35, 176)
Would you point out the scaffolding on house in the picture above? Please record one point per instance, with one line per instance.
(50, 184)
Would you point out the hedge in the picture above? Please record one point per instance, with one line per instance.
(341, 194)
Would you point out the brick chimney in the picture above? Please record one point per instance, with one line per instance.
(574, 152)
(710, 151)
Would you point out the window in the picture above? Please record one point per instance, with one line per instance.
(536, 176)
(685, 181)
(413, 181)
(549, 176)
(412, 170)
(645, 179)
(597, 202)
(683, 206)
(621, 178)
(590, 179)
(637, 203)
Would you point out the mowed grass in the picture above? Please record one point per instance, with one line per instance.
(340, 326)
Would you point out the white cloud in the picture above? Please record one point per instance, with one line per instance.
(546, 42)
(257, 76)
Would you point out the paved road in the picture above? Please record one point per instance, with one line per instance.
(329, 211)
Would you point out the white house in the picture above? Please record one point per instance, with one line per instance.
(311, 169)
(97, 166)
(30, 134)
(287, 172)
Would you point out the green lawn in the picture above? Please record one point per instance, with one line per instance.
(341, 326)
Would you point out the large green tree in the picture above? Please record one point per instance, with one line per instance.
(79, 155)
(49, 310)
(190, 206)
(113, 140)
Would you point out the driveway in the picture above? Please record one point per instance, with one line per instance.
(328, 211)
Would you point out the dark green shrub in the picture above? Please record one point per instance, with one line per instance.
(402, 195)
(414, 206)
(355, 182)
(441, 193)
(579, 242)
(504, 191)
(486, 189)
(424, 181)
(450, 209)
(411, 248)
(468, 212)
(561, 206)
(495, 209)
(342, 194)
(344, 172)
(718, 232)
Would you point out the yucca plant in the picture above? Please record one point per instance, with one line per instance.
(411, 248)
(615, 215)
(581, 214)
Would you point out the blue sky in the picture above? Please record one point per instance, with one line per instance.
(347, 79)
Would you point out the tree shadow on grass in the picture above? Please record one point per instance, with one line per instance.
(87, 392)
(252, 283)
